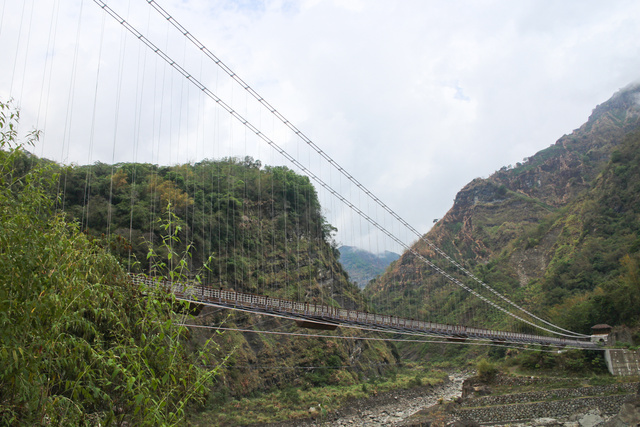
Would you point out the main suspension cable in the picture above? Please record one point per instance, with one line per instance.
(304, 169)
(344, 172)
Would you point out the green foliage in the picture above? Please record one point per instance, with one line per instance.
(291, 403)
(229, 223)
(486, 370)
(245, 214)
(290, 394)
(559, 235)
(615, 302)
(571, 361)
(79, 343)
(594, 275)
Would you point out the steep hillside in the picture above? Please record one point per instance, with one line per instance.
(362, 265)
(233, 222)
(237, 225)
(593, 273)
(551, 228)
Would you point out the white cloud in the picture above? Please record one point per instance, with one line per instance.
(413, 98)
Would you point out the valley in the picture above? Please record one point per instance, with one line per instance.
(558, 234)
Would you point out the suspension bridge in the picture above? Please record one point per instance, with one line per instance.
(318, 316)
(172, 110)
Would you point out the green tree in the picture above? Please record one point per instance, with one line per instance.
(80, 344)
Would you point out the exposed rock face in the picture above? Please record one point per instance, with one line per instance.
(591, 419)
(548, 180)
(514, 217)
(622, 334)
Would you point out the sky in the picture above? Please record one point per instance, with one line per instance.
(413, 98)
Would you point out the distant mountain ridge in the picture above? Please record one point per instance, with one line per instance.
(362, 265)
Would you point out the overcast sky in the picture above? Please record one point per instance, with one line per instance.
(413, 98)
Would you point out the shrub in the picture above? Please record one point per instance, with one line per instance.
(486, 370)
(79, 342)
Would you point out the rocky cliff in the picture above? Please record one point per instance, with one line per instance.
(538, 231)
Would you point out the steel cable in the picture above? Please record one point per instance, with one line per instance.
(294, 161)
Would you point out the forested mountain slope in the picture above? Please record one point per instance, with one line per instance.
(81, 342)
(234, 224)
(557, 233)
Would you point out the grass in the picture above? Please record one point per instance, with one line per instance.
(296, 402)
(575, 381)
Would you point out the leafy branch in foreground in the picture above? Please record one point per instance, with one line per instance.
(79, 343)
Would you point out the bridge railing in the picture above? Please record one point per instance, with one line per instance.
(260, 303)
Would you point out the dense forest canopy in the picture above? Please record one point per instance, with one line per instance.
(234, 216)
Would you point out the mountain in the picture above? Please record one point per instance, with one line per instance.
(558, 233)
(363, 265)
(235, 224)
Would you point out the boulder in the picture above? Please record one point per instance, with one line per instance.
(591, 419)
(629, 414)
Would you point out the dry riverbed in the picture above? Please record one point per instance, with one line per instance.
(388, 409)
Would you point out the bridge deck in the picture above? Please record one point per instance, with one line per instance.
(331, 316)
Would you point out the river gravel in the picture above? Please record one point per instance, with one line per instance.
(399, 407)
